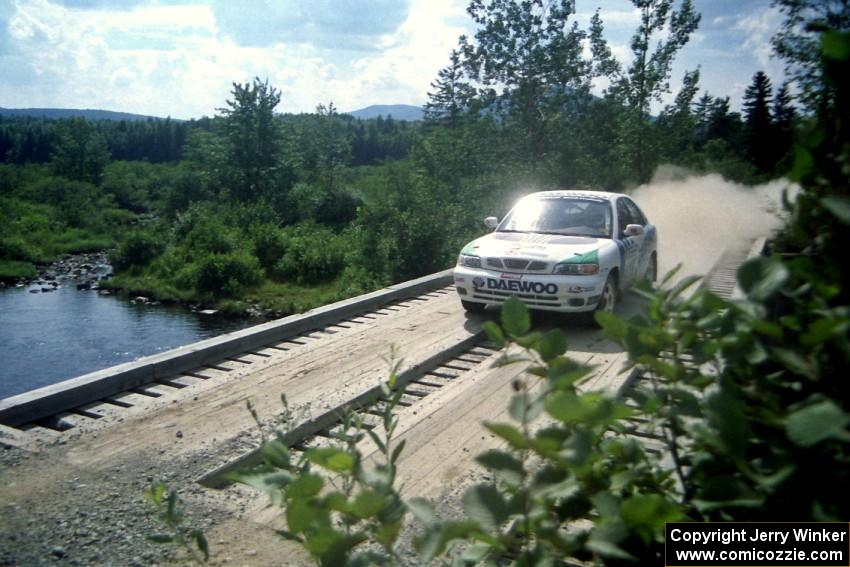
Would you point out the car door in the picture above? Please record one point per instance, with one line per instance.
(634, 264)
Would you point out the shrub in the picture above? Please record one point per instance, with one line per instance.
(314, 254)
(269, 245)
(138, 249)
(226, 275)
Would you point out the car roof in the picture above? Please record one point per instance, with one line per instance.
(585, 194)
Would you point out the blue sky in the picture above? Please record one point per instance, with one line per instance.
(179, 57)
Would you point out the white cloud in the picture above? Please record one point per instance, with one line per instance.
(759, 28)
(175, 60)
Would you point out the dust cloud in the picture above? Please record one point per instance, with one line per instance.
(699, 217)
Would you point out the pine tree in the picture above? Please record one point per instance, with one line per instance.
(784, 115)
(761, 143)
(452, 96)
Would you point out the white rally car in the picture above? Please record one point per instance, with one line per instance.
(567, 251)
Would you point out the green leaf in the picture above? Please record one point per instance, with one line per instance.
(423, 511)
(304, 486)
(515, 318)
(435, 540)
(155, 492)
(331, 458)
(201, 543)
(613, 327)
(530, 340)
(761, 277)
(377, 440)
(590, 408)
(494, 333)
(387, 533)
(484, 504)
(817, 422)
(553, 344)
(474, 554)
(276, 453)
(525, 407)
(607, 548)
(503, 465)
(161, 538)
(397, 451)
(726, 414)
(263, 479)
(649, 510)
(367, 504)
(823, 330)
(300, 514)
(795, 362)
(838, 206)
(509, 433)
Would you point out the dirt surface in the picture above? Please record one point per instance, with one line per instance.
(78, 500)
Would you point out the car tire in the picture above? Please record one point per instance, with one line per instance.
(608, 301)
(472, 306)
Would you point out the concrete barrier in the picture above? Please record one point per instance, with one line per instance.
(63, 396)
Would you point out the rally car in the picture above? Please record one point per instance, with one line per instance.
(571, 251)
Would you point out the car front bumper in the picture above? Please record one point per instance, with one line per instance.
(548, 292)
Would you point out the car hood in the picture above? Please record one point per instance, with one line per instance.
(546, 247)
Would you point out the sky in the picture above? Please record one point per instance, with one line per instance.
(180, 58)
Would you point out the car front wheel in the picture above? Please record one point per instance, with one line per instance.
(609, 296)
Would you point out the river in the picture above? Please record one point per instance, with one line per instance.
(49, 337)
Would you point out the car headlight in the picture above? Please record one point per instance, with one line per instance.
(577, 269)
(469, 261)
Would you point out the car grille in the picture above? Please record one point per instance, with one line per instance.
(517, 265)
(527, 298)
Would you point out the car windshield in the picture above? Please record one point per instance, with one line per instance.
(560, 215)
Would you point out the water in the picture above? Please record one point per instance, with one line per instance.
(49, 337)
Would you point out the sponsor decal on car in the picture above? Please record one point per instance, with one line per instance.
(516, 285)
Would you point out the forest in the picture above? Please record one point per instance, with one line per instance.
(254, 207)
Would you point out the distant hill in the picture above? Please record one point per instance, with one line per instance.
(397, 111)
(59, 113)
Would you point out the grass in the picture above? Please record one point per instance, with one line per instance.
(148, 286)
(281, 298)
(287, 298)
(14, 270)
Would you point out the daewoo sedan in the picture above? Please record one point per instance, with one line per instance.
(571, 251)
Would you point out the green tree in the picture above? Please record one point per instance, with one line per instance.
(79, 152)
(452, 97)
(679, 122)
(784, 116)
(254, 141)
(759, 125)
(528, 57)
(647, 77)
(798, 43)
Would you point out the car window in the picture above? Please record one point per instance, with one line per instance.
(624, 214)
(634, 212)
(560, 215)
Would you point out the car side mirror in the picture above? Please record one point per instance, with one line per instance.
(491, 222)
(633, 230)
